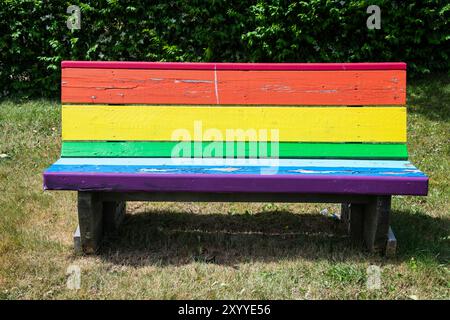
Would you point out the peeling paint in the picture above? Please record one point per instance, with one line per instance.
(312, 171)
(225, 169)
(116, 87)
(156, 170)
(192, 81)
(322, 91)
(277, 87)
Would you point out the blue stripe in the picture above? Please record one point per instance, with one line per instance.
(286, 170)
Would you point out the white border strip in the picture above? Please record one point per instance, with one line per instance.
(236, 162)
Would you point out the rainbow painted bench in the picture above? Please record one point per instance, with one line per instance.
(144, 131)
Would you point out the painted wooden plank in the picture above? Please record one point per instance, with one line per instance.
(312, 88)
(120, 86)
(172, 86)
(235, 66)
(233, 149)
(236, 162)
(236, 183)
(186, 123)
(233, 170)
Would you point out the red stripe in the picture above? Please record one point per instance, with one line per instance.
(226, 87)
(235, 66)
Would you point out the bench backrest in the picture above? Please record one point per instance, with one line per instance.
(145, 109)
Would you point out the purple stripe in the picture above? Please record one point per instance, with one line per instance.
(237, 183)
(235, 66)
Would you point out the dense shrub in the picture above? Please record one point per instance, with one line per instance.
(34, 37)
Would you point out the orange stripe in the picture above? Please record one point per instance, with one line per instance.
(125, 86)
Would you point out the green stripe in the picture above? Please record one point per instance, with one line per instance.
(164, 149)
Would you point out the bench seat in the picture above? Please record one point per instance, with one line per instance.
(237, 175)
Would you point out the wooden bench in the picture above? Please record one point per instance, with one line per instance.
(135, 131)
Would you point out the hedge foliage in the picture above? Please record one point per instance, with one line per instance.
(34, 37)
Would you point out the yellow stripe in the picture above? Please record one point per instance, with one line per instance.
(317, 124)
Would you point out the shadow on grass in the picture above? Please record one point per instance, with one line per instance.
(421, 236)
(430, 97)
(176, 238)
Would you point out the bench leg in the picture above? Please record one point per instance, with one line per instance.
(113, 215)
(345, 215)
(90, 220)
(356, 225)
(369, 224)
(352, 216)
(376, 223)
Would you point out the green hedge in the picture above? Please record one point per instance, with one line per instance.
(37, 38)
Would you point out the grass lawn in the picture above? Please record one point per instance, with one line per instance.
(218, 250)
